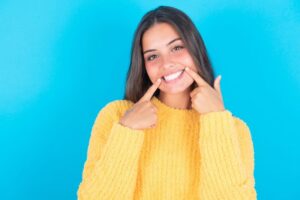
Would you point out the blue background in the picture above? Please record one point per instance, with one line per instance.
(62, 61)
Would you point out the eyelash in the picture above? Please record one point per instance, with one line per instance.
(180, 47)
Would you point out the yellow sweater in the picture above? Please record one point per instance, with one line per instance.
(186, 156)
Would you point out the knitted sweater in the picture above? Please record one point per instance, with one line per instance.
(186, 156)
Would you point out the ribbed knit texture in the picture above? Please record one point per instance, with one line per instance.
(186, 156)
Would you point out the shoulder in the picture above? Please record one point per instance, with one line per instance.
(109, 113)
(115, 109)
(244, 134)
(241, 124)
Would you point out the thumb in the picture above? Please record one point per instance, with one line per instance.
(217, 85)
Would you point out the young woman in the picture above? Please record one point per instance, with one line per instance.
(171, 136)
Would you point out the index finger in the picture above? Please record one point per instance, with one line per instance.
(148, 95)
(199, 80)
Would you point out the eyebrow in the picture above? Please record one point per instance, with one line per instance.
(149, 50)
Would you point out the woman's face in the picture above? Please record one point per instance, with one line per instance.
(165, 57)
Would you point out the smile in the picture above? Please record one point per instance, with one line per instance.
(173, 77)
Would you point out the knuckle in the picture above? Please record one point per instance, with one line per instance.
(152, 109)
(144, 103)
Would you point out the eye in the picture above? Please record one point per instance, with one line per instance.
(152, 57)
(178, 47)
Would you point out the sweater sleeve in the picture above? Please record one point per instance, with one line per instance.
(227, 158)
(110, 170)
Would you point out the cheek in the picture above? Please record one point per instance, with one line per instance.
(151, 71)
(185, 58)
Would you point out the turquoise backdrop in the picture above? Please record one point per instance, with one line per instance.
(61, 61)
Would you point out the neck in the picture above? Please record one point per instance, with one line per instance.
(179, 100)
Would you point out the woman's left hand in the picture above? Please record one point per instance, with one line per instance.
(204, 98)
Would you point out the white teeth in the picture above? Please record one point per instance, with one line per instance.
(173, 76)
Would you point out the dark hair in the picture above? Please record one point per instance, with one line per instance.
(138, 81)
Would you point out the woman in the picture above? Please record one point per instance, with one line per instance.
(171, 137)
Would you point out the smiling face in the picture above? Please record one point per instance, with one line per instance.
(165, 57)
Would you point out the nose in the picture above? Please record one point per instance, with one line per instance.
(167, 62)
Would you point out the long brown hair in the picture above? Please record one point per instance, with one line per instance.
(138, 81)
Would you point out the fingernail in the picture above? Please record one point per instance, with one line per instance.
(158, 80)
(186, 68)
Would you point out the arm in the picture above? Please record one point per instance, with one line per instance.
(227, 158)
(111, 167)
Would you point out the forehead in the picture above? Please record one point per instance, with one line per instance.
(158, 35)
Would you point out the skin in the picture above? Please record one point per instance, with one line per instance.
(165, 58)
(165, 53)
(143, 113)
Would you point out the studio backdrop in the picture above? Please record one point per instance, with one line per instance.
(61, 61)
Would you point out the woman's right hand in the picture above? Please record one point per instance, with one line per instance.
(143, 113)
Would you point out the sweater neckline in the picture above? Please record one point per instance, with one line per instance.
(168, 109)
